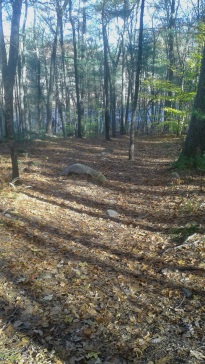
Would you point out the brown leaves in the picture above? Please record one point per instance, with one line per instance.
(84, 287)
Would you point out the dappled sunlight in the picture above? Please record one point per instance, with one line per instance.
(79, 283)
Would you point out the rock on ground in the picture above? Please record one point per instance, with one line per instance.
(79, 168)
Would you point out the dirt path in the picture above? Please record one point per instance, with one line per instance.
(77, 286)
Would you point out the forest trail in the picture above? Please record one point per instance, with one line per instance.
(77, 286)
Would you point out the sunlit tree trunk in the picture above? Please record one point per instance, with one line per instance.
(106, 75)
(82, 40)
(40, 101)
(2, 121)
(153, 103)
(170, 55)
(128, 105)
(113, 94)
(9, 66)
(63, 91)
(137, 84)
(76, 72)
(22, 78)
(123, 90)
(50, 92)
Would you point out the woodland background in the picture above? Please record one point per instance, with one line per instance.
(78, 62)
(101, 271)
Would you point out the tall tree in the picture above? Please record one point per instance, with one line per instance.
(106, 73)
(36, 53)
(61, 92)
(76, 72)
(9, 66)
(137, 83)
(50, 93)
(22, 77)
(123, 80)
(194, 145)
(170, 55)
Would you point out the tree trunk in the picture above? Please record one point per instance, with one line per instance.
(170, 71)
(65, 97)
(22, 79)
(195, 141)
(123, 80)
(8, 75)
(137, 84)
(50, 95)
(122, 118)
(106, 75)
(40, 101)
(77, 87)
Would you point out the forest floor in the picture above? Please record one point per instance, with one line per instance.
(79, 286)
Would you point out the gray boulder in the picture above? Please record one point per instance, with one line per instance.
(79, 168)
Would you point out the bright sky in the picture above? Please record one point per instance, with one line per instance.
(185, 6)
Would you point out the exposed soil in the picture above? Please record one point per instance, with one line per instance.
(79, 286)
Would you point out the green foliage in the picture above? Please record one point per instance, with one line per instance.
(161, 89)
(200, 160)
(175, 112)
(199, 114)
(200, 35)
(173, 126)
(69, 130)
(91, 130)
(184, 163)
(181, 233)
(9, 358)
(22, 136)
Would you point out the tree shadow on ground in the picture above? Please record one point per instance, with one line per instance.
(61, 324)
(87, 294)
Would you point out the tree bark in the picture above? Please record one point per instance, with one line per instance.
(137, 84)
(22, 79)
(8, 75)
(64, 87)
(170, 70)
(194, 144)
(76, 72)
(123, 79)
(50, 95)
(40, 99)
(106, 75)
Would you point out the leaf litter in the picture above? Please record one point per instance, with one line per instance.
(80, 285)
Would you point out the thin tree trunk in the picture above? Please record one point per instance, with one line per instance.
(23, 107)
(137, 84)
(170, 70)
(64, 87)
(50, 95)
(106, 75)
(2, 121)
(123, 81)
(38, 75)
(77, 88)
(128, 105)
(122, 118)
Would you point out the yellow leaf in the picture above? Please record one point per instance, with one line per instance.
(25, 340)
(88, 331)
(68, 319)
(164, 360)
(92, 354)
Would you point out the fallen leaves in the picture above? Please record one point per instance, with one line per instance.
(98, 274)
